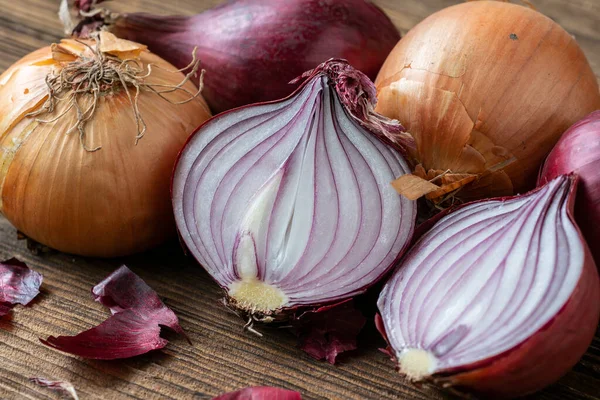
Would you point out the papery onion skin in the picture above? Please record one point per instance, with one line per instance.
(578, 151)
(260, 393)
(542, 358)
(484, 84)
(348, 96)
(19, 284)
(251, 49)
(64, 387)
(111, 202)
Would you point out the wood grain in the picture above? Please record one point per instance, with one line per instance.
(222, 357)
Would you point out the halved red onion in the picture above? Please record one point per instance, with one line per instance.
(500, 297)
(289, 203)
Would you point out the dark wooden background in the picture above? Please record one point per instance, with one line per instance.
(222, 357)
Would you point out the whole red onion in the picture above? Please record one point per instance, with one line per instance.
(251, 49)
(578, 151)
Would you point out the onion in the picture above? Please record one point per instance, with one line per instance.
(251, 49)
(578, 151)
(288, 203)
(500, 297)
(486, 89)
(54, 186)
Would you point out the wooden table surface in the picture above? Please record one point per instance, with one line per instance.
(222, 357)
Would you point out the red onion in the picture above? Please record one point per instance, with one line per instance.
(578, 151)
(133, 328)
(64, 387)
(251, 49)
(501, 297)
(261, 393)
(289, 203)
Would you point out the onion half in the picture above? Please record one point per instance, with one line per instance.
(289, 203)
(500, 297)
(486, 88)
(578, 151)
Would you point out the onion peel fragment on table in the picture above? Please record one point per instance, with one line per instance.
(327, 331)
(65, 387)
(260, 393)
(19, 284)
(135, 324)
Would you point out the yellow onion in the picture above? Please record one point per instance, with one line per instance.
(90, 131)
(486, 89)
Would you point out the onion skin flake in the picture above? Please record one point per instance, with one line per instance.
(260, 393)
(19, 284)
(578, 151)
(135, 324)
(288, 204)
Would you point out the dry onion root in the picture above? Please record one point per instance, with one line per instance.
(486, 89)
(501, 297)
(106, 193)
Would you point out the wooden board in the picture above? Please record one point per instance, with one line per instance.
(222, 357)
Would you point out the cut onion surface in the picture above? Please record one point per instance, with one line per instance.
(500, 297)
(289, 203)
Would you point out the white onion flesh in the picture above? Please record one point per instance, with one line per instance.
(294, 194)
(483, 280)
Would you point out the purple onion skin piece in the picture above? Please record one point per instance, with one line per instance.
(19, 284)
(293, 198)
(500, 297)
(578, 151)
(261, 393)
(134, 326)
(251, 49)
